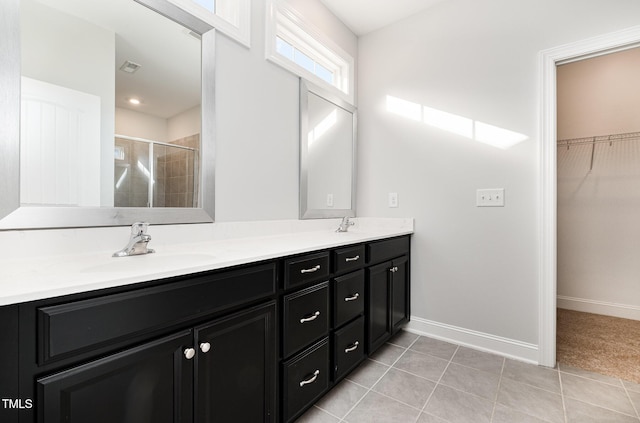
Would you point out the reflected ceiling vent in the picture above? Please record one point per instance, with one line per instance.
(129, 67)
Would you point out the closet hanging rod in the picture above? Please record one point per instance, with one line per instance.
(629, 136)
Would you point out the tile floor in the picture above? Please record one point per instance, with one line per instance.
(415, 379)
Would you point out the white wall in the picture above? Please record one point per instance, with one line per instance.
(599, 96)
(184, 124)
(257, 124)
(474, 270)
(598, 225)
(140, 125)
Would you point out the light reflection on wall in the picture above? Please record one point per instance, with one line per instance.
(122, 178)
(145, 171)
(322, 127)
(478, 131)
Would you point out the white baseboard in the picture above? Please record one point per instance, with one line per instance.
(626, 311)
(510, 348)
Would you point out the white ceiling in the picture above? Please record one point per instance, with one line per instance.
(364, 16)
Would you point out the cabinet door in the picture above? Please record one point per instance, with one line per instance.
(378, 305)
(399, 295)
(151, 383)
(235, 371)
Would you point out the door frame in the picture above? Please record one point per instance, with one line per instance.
(548, 60)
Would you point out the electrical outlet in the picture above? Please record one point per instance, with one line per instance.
(393, 199)
(490, 197)
(329, 200)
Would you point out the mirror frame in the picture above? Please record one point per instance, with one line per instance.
(14, 216)
(307, 87)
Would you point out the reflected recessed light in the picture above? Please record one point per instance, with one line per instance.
(134, 101)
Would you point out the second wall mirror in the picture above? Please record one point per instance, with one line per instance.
(327, 154)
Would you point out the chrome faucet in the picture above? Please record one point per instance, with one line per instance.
(138, 242)
(344, 225)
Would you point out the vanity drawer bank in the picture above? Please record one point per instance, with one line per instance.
(256, 342)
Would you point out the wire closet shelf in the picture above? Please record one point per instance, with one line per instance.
(599, 139)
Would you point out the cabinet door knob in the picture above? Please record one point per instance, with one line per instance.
(314, 316)
(352, 298)
(394, 269)
(189, 353)
(353, 347)
(311, 379)
(354, 258)
(205, 347)
(313, 269)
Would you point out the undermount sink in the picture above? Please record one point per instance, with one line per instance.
(154, 261)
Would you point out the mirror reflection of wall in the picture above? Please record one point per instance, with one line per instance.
(330, 155)
(108, 53)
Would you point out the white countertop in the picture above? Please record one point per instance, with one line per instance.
(28, 278)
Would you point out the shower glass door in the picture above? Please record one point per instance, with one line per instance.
(155, 174)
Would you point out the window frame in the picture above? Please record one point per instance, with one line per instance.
(240, 33)
(286, 23)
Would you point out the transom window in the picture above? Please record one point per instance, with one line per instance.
(297, 46)
(301, 59)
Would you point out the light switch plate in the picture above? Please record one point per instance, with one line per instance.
(493, 197)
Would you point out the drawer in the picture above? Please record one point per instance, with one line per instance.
(305, 379)
(348, 297)
(346, 259)
(306, 317)
(348, 348)
(389, 248)
(85, 325)
(311, 267)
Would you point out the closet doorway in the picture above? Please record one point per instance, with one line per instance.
(598, 214)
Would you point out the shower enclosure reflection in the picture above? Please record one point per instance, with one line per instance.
(156, 174)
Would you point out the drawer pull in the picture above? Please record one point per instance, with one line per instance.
(311, 379)
(355, 258)
(205, 347)
(189, 353)
(313, 269)
(353, 298)
(314, 316)
(353, 347)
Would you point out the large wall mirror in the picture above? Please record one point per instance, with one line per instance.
(327, 154)
(105, 104)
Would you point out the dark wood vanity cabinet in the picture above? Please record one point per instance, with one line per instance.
(254, 343)
(199, 348)
(388, 290)
(221, 371)
(304, 359)
(367, 290)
